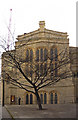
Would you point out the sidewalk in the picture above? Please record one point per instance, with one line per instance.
(5, 113)
(0, 112)
(49, 111)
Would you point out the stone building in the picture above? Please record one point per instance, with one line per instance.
(34, 47)
(0, 92)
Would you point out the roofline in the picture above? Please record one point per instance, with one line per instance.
(39, 31)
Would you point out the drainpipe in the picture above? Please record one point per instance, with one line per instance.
(3, 95)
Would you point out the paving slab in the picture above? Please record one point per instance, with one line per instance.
(49, 111)
(0, 112)
(5, 113)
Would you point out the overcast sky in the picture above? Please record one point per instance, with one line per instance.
(59, 15)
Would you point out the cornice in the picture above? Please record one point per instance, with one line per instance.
(39, 33)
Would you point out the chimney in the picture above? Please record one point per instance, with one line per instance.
(42, 25)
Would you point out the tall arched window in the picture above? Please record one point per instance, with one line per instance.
(31, 55)
(55, 69)
(41, 54)
(27, 99)
(77, 74)
(51, 54)
(53, 57)
(56, 54)
(51, 70)
(27, 55)
(45, 68)
(41, 69)
(41, 96)
(45, 54)
(37, 55)
(51, 98)
(27, 69)
(31, 99)
(45, 98)
(31, 70)
(37, 69)
(55, 98)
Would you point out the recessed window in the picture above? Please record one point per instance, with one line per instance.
(55, 69)
(27, 55)
(51, 98)
(55, 54)
(31, 55)
(37, 70)
(51, 54)
(45, 98)
(77, 74)
(41, 69)
(41, 96)
(31, 71)
(51, 70)
(31, 99)
(41, 54)
(45, 69)
(45, 54)
(53, 58)
(27, 99)
(37, 55)
(27, 69)
(55, 98)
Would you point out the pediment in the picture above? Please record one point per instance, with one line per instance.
(38, 34)
(41, 33)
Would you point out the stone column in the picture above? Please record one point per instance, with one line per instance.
(48, 98)
(34, 99)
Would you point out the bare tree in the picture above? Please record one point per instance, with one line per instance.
(36, 76)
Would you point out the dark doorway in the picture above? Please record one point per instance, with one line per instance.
(19, 100)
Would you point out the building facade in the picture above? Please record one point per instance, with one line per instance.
(35, 48)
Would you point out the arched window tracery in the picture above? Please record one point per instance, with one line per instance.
(53, 98)
(29, 55)
(54, 58)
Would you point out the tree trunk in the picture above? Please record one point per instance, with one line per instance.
(38, 101)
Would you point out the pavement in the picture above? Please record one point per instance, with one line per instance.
(28, 112)
(5, 114)
(0, 112)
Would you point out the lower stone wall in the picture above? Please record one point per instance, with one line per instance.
(48, 95)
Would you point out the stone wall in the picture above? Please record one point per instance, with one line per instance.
(41, 38)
